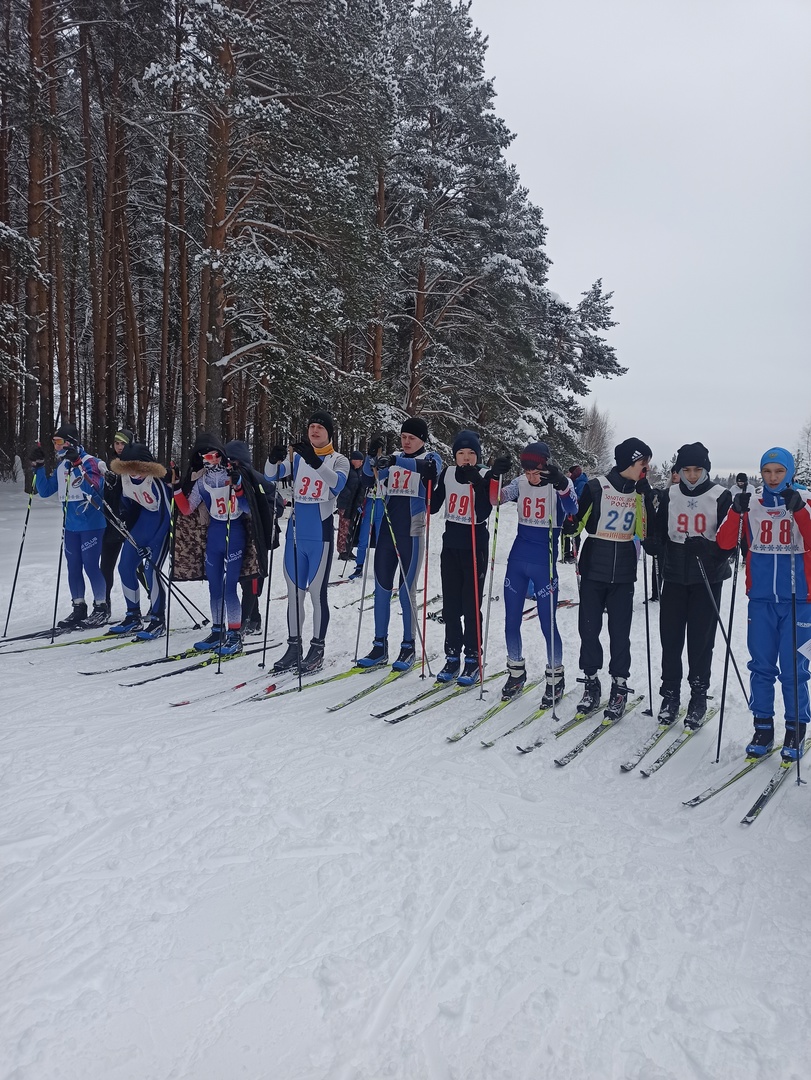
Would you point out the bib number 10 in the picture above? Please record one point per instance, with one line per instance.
(784, 532)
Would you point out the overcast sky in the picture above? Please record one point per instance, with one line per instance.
(668, 144)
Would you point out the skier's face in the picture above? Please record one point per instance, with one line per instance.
(118, 446)
(773, 474)
(692, 473)
(318, 436)
(212, 459)
(410, 443)
(534, 476)
(635, 471)
(465, 457)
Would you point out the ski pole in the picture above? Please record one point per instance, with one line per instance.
(171, 565)
(728, 640)
(425, 575)
(796, 672)
(490, 586)
(706, 581)
(270, 572)
(649, 710)
(477, 611)
(227, 552)
(20, 553)
(366, 561)
(295, 566)
(552, 652)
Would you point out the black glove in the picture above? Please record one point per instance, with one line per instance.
(694, 545)
(144, 554)
(793, 500)
(501, 465)
(278, 453)
(234, 474)
(174, 475)
(375, 446)
(569, 526)
(552, 475)
(469, 474)
(385, 461)
(37, 456)
(72, 455)
(308, 454)
(740, 504)
(643, 486)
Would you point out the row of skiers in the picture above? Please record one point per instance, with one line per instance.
(228, 522)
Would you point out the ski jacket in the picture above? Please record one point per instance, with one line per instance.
(314, 493)
(456, 497)
(770, 536)
(579, 483)
(697, 514)
(353, 493)
(79, 488)
(536, 506)
(613, 515)
(406, 486)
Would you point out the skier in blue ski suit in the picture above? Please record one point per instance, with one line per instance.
(80, 483)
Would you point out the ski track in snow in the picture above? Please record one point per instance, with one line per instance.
(272, 891)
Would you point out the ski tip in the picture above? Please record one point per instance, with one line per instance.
(177, 704)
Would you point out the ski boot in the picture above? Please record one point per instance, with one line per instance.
(470, 672)
(591, 695)
(314, 660)
(763, 739)
(450, 671)
(554, 687)
(356, 573)
(516, 679)
(232, 644)
(669, 709)
(155, 629)
(131, 623)
(794, 741)
(211, 642)
(291, 658)
(617, 699)
(76, 618)
(252, 625)
(406, 658)
(99, 616)
(697, 706)
(378, 656)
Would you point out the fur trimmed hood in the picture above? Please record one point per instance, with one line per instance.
(136, 460)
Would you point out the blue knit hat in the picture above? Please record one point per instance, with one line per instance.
(779, 456)
(467, 440)
(534, 455)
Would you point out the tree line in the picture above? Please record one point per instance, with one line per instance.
(220, 214)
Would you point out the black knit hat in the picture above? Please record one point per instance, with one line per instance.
(467, 440)
(320, 416)
(68, 432)
(742, 476)
(695, 454)
(629, 452)
(534, 455)
(416, 426)
(356, 455)
(124, 435)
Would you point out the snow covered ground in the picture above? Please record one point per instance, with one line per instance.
(275, 891)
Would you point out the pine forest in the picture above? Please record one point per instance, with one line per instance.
(221, 214)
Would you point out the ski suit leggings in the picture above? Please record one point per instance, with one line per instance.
(215, 565)
(82, 553)
(459, 599)
(686, 610)
(110, 550)
(412, 549)
(312, 559)
(145, 535)
(521, 571)
(770, 647)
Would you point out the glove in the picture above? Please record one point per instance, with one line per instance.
(234, 474)
(174, 475)
(37, 456)
(552, 475)
(740, 504)
(72, 455)
(694, 545)
(375, 446)
(278, 453)
(144, 554)
(308, 454)
(643, 486)
(385, 461)
(793, 500)
(469, 474)
(501, 465)
(569, 526)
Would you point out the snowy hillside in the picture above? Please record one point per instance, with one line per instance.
(275, 892)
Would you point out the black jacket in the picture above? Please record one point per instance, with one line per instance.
(677, 563)
(610, 561)
(352, 493)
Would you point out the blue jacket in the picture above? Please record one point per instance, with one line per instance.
(80, 484)
(768, 573)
